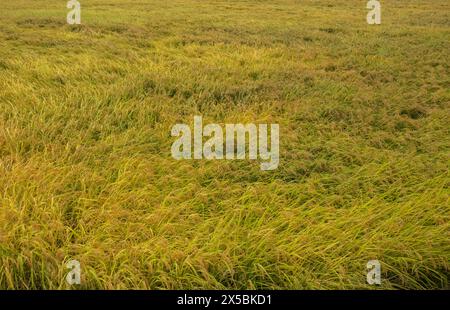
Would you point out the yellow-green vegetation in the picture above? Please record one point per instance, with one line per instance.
(86, 171)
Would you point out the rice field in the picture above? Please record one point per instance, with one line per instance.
(86, 171)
